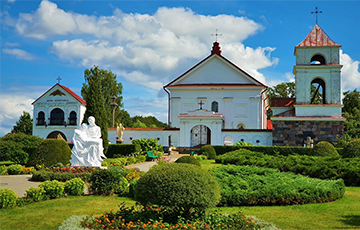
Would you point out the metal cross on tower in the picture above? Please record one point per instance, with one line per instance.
(201, 103)
(316, 12)
(216, 35)
(59, 79)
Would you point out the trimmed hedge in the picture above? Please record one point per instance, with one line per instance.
(269, 150)
(352, 149)
(324, 148)
(249, 185)
(64, 176)
(188, 160)
(122, 149)
(332, 168)
(209, 151)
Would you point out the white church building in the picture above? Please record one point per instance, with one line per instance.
(216, 102)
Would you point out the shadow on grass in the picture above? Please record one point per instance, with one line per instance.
(352, 220)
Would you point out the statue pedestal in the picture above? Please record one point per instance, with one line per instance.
(119, 142)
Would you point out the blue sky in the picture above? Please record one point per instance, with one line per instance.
(149, 43)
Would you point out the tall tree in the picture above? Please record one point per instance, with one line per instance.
(95, 102)
(109, 88)
(24, 124)
(351, 111)
(284, 90)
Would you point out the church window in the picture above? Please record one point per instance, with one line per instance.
(318, 91)
(72, 119)
(215, 106)
(241, 126)
(57, 117)
(317, 60)
(41, 118)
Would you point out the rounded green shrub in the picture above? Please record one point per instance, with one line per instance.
(352, 149)
(53, 189)
(74, 187)
(180, 186)
(50, 152)
(188, 160)
(14, 169)
(37, 194)
(7, 198)
(108, 181)
(208, 151)
(325, 149)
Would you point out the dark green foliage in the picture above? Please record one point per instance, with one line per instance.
(14, 169)
(53, 189)
(51, 151)
(317, 167)
(352, 149)
(188, 160)
(48, 175)
(18, 147)
(95, 102)
(351, 111)
(324, 148)
(108, 181)
(209, 151)
(122, 149)
(180, 186)
(36, 194)
(132, 186)
(74, 187)
(247, 185)
(147, 145)
(147, 122)
(24, 124)
(7, 198)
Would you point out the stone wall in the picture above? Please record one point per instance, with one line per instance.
(294, 133)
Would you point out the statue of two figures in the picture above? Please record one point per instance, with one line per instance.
(88, 146)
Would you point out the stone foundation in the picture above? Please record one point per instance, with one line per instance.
(294, 133)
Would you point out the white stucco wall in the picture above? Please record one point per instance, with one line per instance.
(231, 137)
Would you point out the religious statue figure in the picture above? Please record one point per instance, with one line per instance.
(120, 132)
(88, 146)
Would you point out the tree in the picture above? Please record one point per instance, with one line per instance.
(24, 124)
(149, 121)
(95, 102)
(283, 90)
(109, 88)
(351, 111)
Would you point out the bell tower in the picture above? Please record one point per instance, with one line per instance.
(317, 75)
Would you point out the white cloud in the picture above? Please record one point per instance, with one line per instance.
(350, 72)
(11, 44)
(20, 54)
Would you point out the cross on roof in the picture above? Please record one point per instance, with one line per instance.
(59, 79)
(316, 12)
(201, 103)
(216, 35)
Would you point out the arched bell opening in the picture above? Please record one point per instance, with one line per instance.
(318, 94)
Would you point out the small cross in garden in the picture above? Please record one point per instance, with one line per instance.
(316, 12)
(216, 35)
(201, 103)
(59, 79)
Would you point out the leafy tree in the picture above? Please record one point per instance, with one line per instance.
(139, 124)
(351, 111)
(109, 88)
(148, 121)
(24, 124)
(95, 102)
(283, 90)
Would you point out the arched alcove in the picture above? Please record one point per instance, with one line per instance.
(72, 118)
(41, 118)
(215, 106)
(57, 117)
(200, 135)
(318, 59)
(318, 94)
(55, 135)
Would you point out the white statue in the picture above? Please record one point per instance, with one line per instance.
(120, 132)
(88, 146)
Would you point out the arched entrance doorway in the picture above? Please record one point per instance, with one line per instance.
(55, 135)
(200, 135)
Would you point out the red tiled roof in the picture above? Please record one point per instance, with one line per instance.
(216, 85)
(317, 37)
(283, 102)
(291, 114)
(77, 97)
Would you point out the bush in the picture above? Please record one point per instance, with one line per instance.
(74, 187)
(269, 150)
(53, 189)
(59, 176)
(208, 151)
(108, 181)
(188, 160)
(50, 152)
(18, 147)
(14, 169)
(7, 198)
(180, 186)
(352, 149)
(147, 145)
(324, 148)
(73, 223)
(132, 186)
(122, 150)
(36, 194)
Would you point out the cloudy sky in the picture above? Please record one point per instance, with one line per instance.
(149, 43)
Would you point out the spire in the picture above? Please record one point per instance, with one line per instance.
(216, 49)
(317, 37)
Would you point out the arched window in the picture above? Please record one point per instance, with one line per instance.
(241, 126)
(318, 91)
(72, 119)
(215, 106)
(317, 60)
(57, 117)
(41, 118)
